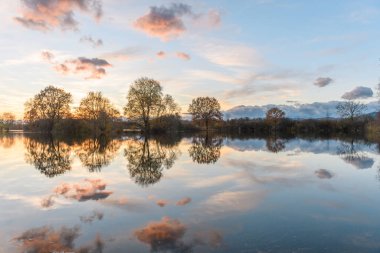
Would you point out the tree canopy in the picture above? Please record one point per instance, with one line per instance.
(50, 105)
(146, 100)
(205, 109)
(98, 109)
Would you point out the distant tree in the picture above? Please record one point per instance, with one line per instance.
(97, 109)
(206, 109)
(350, 109)
(7, 120)
(50, 105)
(274, 116)
(143, 101)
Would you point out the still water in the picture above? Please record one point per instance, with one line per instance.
(193, 194)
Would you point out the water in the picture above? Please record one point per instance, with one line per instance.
(191, 194)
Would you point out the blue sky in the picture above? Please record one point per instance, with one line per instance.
(247, 52)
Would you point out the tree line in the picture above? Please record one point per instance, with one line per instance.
(148, 109)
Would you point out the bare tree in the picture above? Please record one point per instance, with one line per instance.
(50, 105)
(205, 109)
(350, 109)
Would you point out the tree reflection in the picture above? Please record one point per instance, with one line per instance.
(350, 153)
(275, 145)
(205, 150)
(51, 157)
(6, 141)
(98, 152)
(147, 158)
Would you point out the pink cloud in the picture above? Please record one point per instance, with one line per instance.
(184, 201)
(48, 14)
(164, 22)
(183, 56)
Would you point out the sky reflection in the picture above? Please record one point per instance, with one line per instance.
(152, 195)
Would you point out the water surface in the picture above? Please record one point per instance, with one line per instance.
(194, 194)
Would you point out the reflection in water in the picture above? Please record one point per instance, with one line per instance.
(51, 157)
(147, 158)
(90, 189)
(275, 145)
(205, 150)
(164, 235)
(323, 174)
(46, 240)
(351, 154)
(7, 141)
(97, 153)
(167, 235)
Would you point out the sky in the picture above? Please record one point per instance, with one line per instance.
(244, 52)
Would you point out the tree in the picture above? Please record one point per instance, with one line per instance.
(205, 150)
(98, 152)
(350, 109)
(49, 106)
(168, 107)
(205, 109)
(7, 119)
(51, 157)
(144, 101)
(97, 109)
(148, 158)
(274, 116)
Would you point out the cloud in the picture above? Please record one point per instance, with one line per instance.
(48, 202)
(47, 56)
(94, 67)
(164, 22)
(183, 56)
(323, 81)
(49, 14)
(92, 41)
(161, 54)
(92, 189)
(96, 215)
(161, 202)
(184, 201)
(359, 92)
(124, 54)
(163, 235)
(231, 202)
(323, 174)
(230, 54)
(214, 17)
(46, 239)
